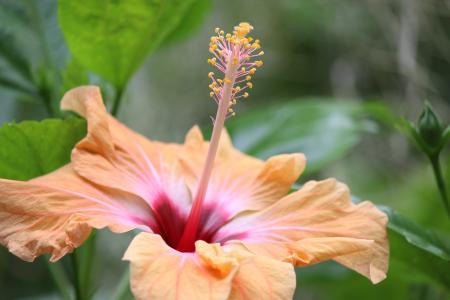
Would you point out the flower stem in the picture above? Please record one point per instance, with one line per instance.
(59, 278)
(86, 264)
(434, 159)
(76, 276)
(123, 289)
(117, 101)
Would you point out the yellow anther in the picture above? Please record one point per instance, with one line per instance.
(233, 114)
(242, 29)
(234, 49)
(217, 30)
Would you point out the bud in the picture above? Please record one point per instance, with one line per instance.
(446, 135)
(430, 128)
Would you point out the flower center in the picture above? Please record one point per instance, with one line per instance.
(232, 56)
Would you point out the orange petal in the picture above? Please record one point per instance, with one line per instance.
(316, 223)
(261, 277)
(87, 102)
(54, 213)
(114, 156)
(117, 156)
(239, 182)
(160, 272)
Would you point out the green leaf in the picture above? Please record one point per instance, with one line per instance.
(73, 75)
(32, 50)
(14, 57)
(418, 249)
(16, 85)
(191, 20)
(323, 130)
(112, 38)
(410, 131)
(31, 149)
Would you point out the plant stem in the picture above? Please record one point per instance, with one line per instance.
(117, 100)
(434, 159)
(76, 273)
(47, 105)
(87, 263)
(60, 279)
(123, 289)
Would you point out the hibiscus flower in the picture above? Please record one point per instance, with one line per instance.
(215, 223)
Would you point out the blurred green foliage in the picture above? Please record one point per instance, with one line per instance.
(392, 50)
(323, 130)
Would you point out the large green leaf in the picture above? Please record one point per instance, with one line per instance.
(30, 149)
(32, 51)
(112, 38)
(418, 249)
(73, 75)
(13, 56)
(323, 130)
(192, 19)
